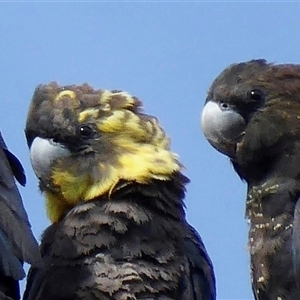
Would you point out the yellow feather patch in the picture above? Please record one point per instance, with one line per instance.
(130, 101)
(66, 93)
(103, 186)
(105, 97)
(112, 123)
(130, 146)
(139, 163)
(88, 113)
(143, 165)
(72, 186)
(55, 206)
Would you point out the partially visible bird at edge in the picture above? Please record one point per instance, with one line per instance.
(17, 243)
(252, 115)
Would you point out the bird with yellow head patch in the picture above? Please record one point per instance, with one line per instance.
(114, 195)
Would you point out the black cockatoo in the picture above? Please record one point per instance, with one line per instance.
(17, 243)
(114, 194)
(252, 114)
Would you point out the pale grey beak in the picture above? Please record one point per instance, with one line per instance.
(222, 126)
(42, 154)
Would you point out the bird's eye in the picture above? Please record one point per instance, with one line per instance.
(86, 131)
(224, 106)
(256, 95)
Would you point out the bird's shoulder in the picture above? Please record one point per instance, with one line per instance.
(116, 243)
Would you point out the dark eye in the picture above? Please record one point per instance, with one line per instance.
(86, 131)
(224, 106)
(256, 95)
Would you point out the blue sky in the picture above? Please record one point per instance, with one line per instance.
(167, 54)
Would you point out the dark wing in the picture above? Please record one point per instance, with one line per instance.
(296, 241)
(35, 279)
(17, 243)
(14, 163)
(5, 283)
(199, 283)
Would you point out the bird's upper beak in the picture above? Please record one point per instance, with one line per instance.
(42, 154)
(222, 126)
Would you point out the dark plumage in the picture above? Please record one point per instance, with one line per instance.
(17, 243)
(114, 195)
(252, 114)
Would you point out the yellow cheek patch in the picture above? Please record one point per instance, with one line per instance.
(55, 206)
(140, 167)
(72, 185)
(102, 186)
(140, 164)
(143, 165)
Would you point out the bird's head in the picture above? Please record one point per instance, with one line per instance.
(247, 109)
(84, 142)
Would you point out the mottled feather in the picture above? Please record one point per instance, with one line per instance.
(116, 204)
(267, 157)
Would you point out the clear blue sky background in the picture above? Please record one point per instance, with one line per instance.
(167, 54)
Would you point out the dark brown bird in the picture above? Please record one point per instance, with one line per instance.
(252, 114)
(17, 243)
(114, 194)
